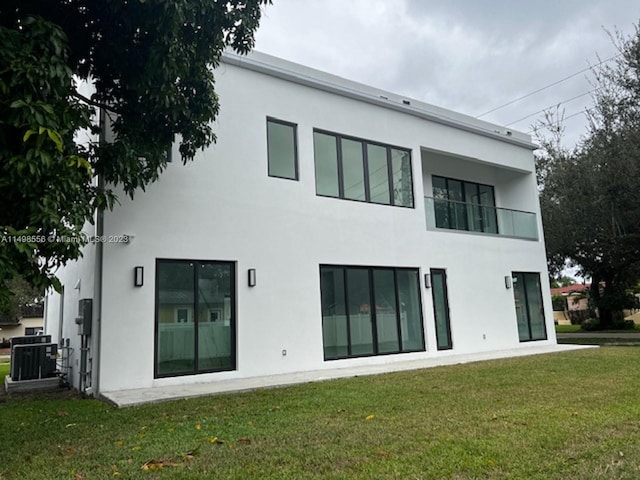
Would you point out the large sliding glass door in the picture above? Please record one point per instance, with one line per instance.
(195, 317)
(441, 308)
(527, 294)
(370, 311)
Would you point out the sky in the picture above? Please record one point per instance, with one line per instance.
(465, 55)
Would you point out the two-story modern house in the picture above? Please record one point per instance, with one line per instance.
(331, 225)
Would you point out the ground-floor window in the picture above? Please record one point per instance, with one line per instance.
(527, 294)
(370, 311)
(195, 317)
(441, 308)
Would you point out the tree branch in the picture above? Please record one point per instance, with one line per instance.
(94, 103)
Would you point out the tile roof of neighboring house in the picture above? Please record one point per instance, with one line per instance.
(578, 287)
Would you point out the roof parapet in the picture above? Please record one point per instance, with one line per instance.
(302, 75)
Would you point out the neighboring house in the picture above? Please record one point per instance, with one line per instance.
(331, 225)
(30, 323)
(576, 295)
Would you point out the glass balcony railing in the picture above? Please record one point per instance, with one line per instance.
(471, 217)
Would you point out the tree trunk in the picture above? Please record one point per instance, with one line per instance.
(605, 314)
(606, 317)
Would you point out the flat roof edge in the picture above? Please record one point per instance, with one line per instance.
(310, 81)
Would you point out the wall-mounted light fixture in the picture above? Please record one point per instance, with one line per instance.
(251, 277)
(427, 280)
(507, 282)
(138, 276)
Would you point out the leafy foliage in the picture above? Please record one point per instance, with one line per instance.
(22, 296)
(151, 63)
(590, 198)
(562, 281)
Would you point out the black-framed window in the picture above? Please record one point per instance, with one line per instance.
(370, 311)
(362, 170)
(282, 149)
(195, 317)
(463, 205)
(527, 295)
(441, 315)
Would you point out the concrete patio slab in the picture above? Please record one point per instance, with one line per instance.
(139, 396)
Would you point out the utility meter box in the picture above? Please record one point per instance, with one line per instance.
(85, 316)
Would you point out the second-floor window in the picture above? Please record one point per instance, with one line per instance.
(361, 170)
(462, 205)
(282, 149)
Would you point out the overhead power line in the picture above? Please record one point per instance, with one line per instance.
(551, 106)
(547, 86)
(581, 112)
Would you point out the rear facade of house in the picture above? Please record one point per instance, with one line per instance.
(331, 225)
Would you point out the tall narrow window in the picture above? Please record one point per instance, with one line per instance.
(402, 183)
(378, 174)
(195, 327)
(410, 307)
(353, 170)
(370, 311)
(386, 302)
(527, 295)
(282, 149)
(360, 313)
(335, 328)
(441, 308)
(362, 170)
(326, 154)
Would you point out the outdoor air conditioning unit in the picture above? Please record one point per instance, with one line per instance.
(32, 361)
(29, 339)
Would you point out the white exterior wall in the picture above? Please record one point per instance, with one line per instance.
(77, 278)
(224, 206)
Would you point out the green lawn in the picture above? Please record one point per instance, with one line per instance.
(578, 329)
(601, 341)
(567, 328)
(573, 415)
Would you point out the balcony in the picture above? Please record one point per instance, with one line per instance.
(482, 219)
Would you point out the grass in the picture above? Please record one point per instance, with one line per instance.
(601, 341)
(568, 328)
(578, 329)
(571, 415)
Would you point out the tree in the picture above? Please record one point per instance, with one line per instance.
(590, 198)
(562, 281)
(22, 296)
(151, 64)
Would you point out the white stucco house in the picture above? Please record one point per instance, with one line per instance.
(331, 225)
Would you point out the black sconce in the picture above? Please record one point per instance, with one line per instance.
(138, 276)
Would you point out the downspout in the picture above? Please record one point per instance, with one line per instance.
(97, 283)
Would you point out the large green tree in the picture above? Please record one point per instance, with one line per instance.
(23, 298)
(590, 196)
(150, 63)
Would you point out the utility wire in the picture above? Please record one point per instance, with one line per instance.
(585, 111)
(547, 86)
(551, 106)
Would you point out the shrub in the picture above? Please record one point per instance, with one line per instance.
(577, 317)
(591, 324)
(624, 325)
